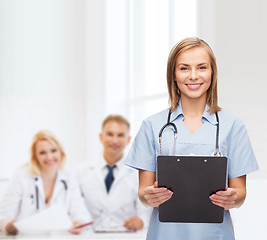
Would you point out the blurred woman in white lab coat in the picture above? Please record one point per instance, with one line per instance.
(40, 184)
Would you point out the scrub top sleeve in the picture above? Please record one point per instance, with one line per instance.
(142, 154)
(241, 158)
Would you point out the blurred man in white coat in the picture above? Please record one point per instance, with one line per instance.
(109, 187)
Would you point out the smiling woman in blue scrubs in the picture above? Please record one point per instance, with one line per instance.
(192, 86)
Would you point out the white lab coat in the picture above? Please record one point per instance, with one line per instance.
(20, 199)
(113, 208)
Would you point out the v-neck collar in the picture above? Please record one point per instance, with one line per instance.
(178, 112)
(61, 177)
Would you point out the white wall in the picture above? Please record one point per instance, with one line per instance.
(51, 76)
(95, 75)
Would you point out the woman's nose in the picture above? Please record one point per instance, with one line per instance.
(49, 155)
(193, 74)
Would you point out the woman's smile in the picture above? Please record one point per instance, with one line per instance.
(194, 86)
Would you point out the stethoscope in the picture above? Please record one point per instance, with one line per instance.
(37, 191)
(217, 153)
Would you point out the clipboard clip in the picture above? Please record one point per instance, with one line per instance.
(217, 154)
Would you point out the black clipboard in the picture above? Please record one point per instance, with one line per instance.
(192, 179)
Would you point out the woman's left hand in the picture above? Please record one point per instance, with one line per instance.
(226, 199)
(75, 230)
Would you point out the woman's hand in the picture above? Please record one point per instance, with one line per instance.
(233, 196)
(10, 228)
(75, 230)
(134, 223)
(149, 193)
(156, 196)
(225, 199)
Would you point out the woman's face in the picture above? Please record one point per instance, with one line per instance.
(193, 73)
(48, 155)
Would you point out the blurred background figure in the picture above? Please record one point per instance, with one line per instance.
(41, 183)
(109, 187)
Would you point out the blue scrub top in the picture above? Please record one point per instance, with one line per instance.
(234, 143)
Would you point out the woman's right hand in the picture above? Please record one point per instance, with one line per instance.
(155, 196)
(10, 228)
(74, 229)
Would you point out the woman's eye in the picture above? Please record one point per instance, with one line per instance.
(54, 150)
(202, 67)
(184, 68)
(42, 153)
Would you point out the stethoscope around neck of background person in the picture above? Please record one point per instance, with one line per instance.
(37, 191)
(217, 153)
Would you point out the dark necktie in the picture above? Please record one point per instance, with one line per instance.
(109, 178)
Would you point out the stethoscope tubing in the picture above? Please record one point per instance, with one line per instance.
(169, 123)
(162, 129)
(37, 191)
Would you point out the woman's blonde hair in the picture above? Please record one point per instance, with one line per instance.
(174, 92)
(47, 136)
